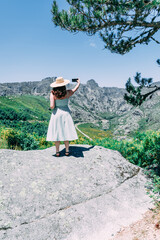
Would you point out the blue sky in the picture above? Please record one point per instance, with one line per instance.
(32, 48)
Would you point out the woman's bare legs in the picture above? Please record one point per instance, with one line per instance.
(57, 144)
(67, 147)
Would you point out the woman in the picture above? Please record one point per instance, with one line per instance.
(61, 126)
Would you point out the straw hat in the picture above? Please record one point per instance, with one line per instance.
(60, 81)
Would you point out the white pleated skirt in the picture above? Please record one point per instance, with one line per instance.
(61, 126)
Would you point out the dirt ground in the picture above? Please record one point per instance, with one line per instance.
(148, 228)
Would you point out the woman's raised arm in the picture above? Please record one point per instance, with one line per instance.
(72, 91)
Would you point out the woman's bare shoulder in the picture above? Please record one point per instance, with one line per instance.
(69, 93)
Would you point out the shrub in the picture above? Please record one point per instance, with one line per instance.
(11, 137)
(44, 144)
(19, 140)
(10, 114)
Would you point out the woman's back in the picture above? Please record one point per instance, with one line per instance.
(61, 102)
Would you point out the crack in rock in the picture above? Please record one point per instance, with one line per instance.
(5, 228)
(76, 203)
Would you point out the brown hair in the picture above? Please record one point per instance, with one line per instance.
(59, 92)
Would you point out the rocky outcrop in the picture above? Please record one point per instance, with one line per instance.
(91, 102)
(89, 195)
(18, 88)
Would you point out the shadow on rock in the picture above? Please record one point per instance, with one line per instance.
(76, 151)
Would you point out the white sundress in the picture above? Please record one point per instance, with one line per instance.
(61, 126)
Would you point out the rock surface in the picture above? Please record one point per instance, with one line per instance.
(147, 228)
(89, 195)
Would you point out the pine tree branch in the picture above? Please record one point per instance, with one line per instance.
(135, 97)
(114, 20)
(144, 96)
(131, 23)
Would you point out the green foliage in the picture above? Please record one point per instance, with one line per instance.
(19, 140)
(39, 128)
(155, 186)
(43, 144)
(25, 113)
(143, 150)
(94, 131)
(135, 97)
(121, 24)
(10, 114)
(27, 118)
(25, 107)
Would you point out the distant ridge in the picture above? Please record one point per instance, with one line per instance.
(18, 88)
(104, 106)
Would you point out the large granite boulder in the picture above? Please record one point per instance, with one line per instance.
(89, 195)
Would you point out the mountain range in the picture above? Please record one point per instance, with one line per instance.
(105, 107)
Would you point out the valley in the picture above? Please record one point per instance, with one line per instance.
(99, 112)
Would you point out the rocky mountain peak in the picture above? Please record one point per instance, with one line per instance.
(48, 79)
(92, 84)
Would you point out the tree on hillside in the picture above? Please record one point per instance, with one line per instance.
(121, 24)
(135, 96)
